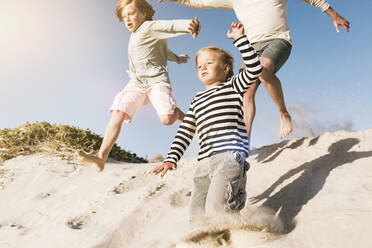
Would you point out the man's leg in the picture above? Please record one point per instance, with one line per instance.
(111, 135)
(274, 88)
(273, 54)
(250, 108)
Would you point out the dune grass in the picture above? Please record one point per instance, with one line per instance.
(60, 140)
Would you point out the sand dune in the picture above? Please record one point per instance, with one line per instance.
(320, 188)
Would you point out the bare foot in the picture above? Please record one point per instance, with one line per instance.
(285, 125)
(91, 160)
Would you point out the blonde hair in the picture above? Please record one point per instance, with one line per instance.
(141, 5)
(224, 57)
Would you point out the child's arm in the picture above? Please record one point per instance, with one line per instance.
(204, 4)
(250, 74)
(180, 143)
(165, 29)
(181, 59)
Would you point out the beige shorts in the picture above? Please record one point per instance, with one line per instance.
(132, 97)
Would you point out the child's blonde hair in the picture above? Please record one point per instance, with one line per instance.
(224, 57)
(141, 5)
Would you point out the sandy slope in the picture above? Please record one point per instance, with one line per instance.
(322, 186)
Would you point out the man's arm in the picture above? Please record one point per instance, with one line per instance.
(336, 18)
(204, 4)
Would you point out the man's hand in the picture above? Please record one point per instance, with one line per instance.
(237, 31)
(338, 20)
(164, 168)
(183, 58)
(194, 27)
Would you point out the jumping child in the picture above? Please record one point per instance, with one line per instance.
(148, 71)
(216, 114)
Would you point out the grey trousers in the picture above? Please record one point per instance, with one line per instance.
(219, 185)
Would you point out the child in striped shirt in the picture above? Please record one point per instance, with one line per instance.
(216, 114)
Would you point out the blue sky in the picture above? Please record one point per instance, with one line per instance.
(64, 61)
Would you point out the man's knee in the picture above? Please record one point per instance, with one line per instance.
(268, 76)
(267, 64)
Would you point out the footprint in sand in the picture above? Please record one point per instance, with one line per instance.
(133, 182)
(155, 189)
(14, 227)
(124, 186)
(44, 195)
(180, 198)
(78, 222)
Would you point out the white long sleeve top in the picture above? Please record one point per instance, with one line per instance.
(262, 19)
(148, 50)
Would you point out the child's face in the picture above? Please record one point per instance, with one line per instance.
(211, 71)
(132, 17)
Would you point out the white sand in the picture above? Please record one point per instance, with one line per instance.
(323, 187)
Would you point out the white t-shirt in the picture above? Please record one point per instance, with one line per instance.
(262, 19)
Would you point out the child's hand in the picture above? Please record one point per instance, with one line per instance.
(194, 27)
(183, 58)
(164, 168)
(237, 31)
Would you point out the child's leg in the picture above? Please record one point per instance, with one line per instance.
(201, 182)
(125, 105)
(227, 189)
(161, 98)
(170, 119)
(111, 135)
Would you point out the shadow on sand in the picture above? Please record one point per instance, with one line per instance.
(271, 152)
(314, 174)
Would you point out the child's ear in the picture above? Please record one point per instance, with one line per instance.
(143, 15)
(227, 69)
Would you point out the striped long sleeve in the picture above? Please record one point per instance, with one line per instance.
(183, 137)
(216, 114)
(253, 69)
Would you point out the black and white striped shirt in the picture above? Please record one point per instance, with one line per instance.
(217, 113)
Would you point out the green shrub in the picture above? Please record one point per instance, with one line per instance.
(61, 140)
